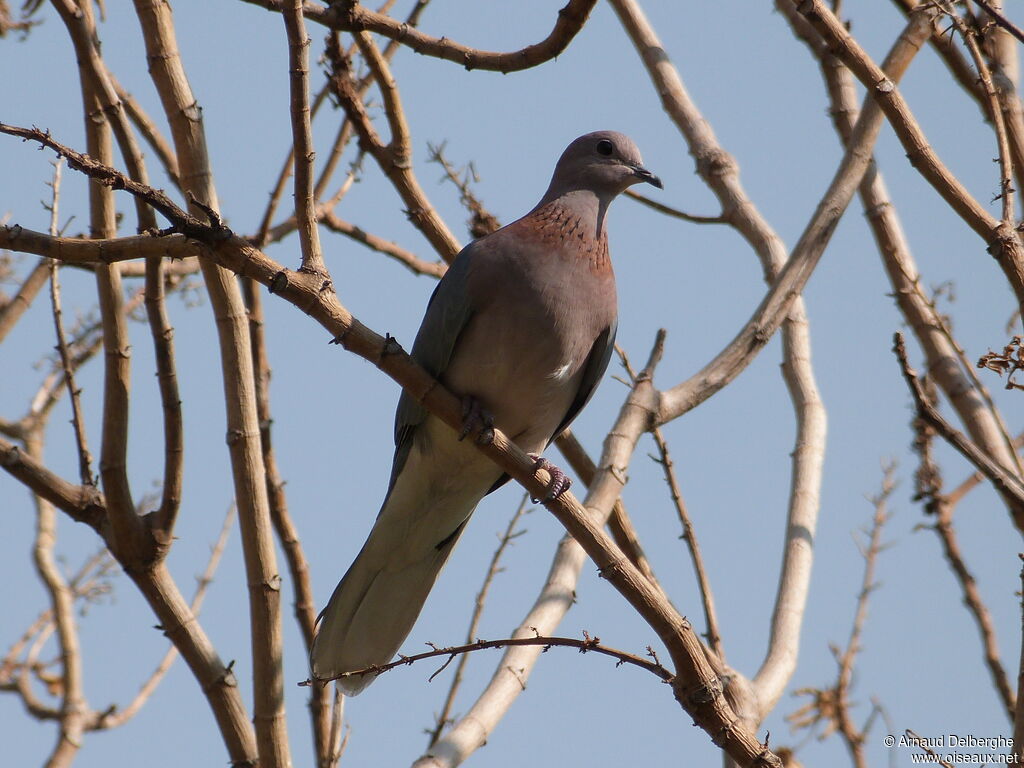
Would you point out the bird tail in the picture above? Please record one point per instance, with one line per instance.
(376, 603)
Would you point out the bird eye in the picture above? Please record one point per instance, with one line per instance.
(605, 147)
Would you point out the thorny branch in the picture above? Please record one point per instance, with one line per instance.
(586, 645)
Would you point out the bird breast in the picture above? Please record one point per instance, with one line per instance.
(523, 353)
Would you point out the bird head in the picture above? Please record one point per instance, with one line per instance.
(604, 162)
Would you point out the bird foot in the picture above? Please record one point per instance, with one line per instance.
(475, 417)
(560, 481)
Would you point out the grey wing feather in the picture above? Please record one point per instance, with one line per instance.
(597, 364)
(447, 314)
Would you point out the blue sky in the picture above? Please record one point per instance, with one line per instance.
(762, 94)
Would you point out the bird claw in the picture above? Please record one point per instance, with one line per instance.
(560, 481)
(475, 417)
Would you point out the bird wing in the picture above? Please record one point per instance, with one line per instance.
(448, 312)
(597, 364)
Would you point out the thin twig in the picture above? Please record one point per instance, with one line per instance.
(1006, 190)
(830, 707)
(712, 635)
(975, 605)
(77, 419)
(852, 736)
(689, 535)
(586, 645)
(87, 584)
(1005, 481)
(409, 259)
(668, 210)
(482, 222)
(943, 507)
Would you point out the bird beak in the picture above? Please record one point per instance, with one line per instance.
(643, 174)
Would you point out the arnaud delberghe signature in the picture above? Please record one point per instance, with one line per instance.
(955, 740)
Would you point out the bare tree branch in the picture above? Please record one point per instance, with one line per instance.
(620, 525)
(1002, 241)
(394, 158)
(284, 526)
(945, 357)
(243, 432)
(1006, 190)
(975, 605)
(11, 312)
(73, 708)
(302, 137)
(1001, 20)
(114, 718)
(79, 252)
(353, 17)
(1004, 480)
(804, 257)
(149, 131)
(412, 261)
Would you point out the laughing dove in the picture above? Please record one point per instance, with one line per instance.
(522, 326)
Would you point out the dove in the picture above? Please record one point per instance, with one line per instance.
(521, 326)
